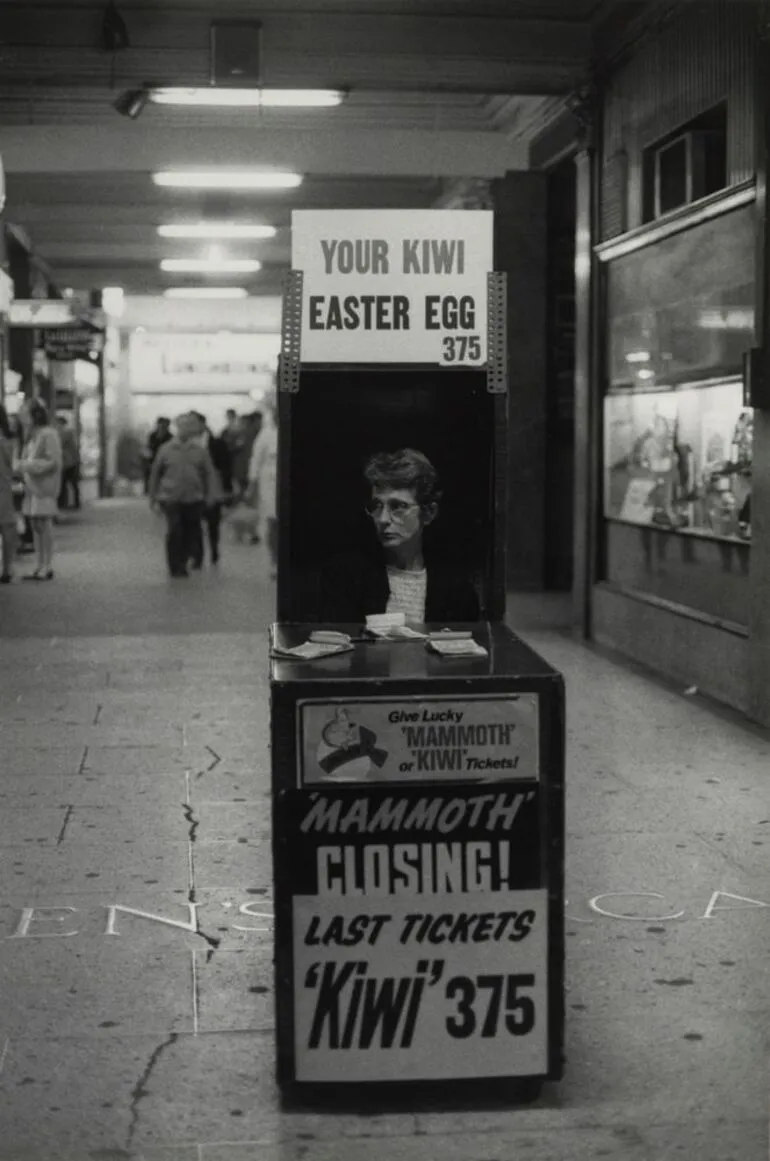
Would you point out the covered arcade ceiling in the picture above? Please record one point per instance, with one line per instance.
(440, 94)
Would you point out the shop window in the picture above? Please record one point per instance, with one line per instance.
(687, 164)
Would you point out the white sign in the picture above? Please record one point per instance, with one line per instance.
(42, 312)
(393, 286)
(394, 988)
(419, 739)
(6, 292)
(220, 361)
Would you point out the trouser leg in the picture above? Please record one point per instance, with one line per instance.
(175, 543)
(214, 521)
(8, 534)
(193, 532)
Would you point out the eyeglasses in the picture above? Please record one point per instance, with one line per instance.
(397, 509)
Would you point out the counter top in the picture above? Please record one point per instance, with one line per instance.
(381, 660)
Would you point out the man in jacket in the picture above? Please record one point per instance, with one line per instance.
(182, 484)
(70, 475)
(221, 460)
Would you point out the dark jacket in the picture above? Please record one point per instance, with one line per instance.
(355, 584)
(222, 460)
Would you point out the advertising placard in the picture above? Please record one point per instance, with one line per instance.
(419, 934)
(418, 739)
(393, 286)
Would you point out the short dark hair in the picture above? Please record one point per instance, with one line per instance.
(38, 413)
(162, 419)
(199, 417)
(405, 468)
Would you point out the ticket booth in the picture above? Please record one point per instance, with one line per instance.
(417, 743)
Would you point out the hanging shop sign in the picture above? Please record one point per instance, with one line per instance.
(418, 739)
(393, 286)
(75, 342)
(419, 934)
(6, 293)
(42, 312)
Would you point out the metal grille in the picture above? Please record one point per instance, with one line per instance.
(497, 327)
(291, 333)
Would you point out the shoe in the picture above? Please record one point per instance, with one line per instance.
(37, 575)
(215, 558)
(6, 578)
(197, 565)
(181, 573)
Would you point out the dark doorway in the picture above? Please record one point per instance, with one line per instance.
(560, 372)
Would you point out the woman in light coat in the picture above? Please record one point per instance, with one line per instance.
(263, 471)
(7, 508)
(41, 469)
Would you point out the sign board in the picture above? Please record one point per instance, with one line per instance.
(393, 286)
(418, 739)
(74, 342)
(170, 362)
(42, 312)
(6, 292)
(419, 934)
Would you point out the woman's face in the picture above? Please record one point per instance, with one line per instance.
(398, 518)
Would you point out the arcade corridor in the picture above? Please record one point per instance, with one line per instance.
(134, 783)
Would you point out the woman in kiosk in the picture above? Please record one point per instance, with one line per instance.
(398, 573)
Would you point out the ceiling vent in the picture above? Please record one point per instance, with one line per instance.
(236, 53)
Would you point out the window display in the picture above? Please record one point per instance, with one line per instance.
(681, 459)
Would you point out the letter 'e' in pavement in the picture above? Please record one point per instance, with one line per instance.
(417, 743)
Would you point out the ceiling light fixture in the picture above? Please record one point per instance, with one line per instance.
(215, 97)
(209, 266)
(234, 179)
(216, 230)
(206, 292)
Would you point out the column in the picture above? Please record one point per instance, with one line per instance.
(520, 251)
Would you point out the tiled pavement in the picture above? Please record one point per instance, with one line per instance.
(134, 782)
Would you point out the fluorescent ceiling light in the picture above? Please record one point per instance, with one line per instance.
(206, 292)
(216, 230)
(228, 179)
(211, 266)
(250, 98)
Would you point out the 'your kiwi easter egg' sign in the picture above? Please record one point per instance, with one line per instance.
(393, 286)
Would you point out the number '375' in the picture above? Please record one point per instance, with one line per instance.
(480, 1004)
(461, 348)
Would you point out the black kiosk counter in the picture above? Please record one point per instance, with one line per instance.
(418, 853)
(418, 818)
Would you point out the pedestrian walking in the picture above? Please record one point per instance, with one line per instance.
(250, 427)
(23, 523)
(159, 435)
(8, 514)
(70, 475)
(41, 469)
(263, 481)
(221, 462)
(181, 485)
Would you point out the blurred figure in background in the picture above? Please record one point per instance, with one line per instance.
(24, 525)
(159, 435)
(70, 475)
(8, 514)
(250, 426)
(263, 482)
(181, 485)
(231, 433)
(221, 462)
(41, 468)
